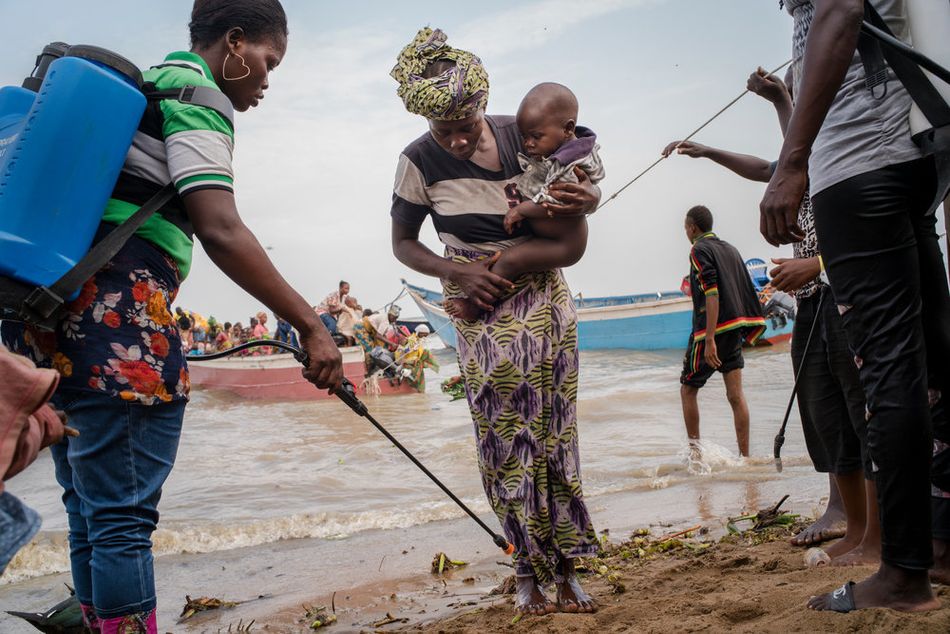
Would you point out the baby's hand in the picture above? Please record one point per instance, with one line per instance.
(513, 219)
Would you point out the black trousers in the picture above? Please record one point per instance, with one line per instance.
(830, 396)
(880, 248)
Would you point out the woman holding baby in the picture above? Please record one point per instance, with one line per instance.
(516, 322)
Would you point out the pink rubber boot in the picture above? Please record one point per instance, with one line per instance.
(89, 618)
(138, 623)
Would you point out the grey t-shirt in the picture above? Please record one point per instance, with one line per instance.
(862, 132)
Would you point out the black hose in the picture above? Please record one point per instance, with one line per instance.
(780, 437)
(909, 51)
(347, 394)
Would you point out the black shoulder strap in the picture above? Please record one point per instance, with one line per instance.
(44, 304)
(877, 41)
(197, 96)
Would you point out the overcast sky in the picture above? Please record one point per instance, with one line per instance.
(314, 163)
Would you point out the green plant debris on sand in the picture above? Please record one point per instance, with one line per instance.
(762, 519)
(442, 562)
(203, 604)
(315, 618)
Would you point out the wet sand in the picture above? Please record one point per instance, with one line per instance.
(377, 572)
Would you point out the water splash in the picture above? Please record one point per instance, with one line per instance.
(703, 457)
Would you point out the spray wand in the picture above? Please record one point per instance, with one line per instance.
(347, 394)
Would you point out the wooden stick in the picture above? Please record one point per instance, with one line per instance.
(681, 533)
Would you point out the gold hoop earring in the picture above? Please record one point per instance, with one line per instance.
(224, 68)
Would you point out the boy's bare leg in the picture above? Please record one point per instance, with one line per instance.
(740, 410)
(688, 394)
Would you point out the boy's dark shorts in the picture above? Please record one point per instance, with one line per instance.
(729, 347)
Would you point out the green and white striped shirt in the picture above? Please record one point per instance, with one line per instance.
(188, 145)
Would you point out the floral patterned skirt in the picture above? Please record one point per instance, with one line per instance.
(119, 336)
(520, 365)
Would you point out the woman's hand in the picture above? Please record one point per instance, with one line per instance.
(479, 283)
(325, 369)
(576, 199)
(689, 148)
(793, 273)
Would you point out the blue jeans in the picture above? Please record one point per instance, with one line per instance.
(329, 321)
(18, 524)
(112, 476)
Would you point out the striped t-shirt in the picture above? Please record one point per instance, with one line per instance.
(188, 145)
(467, 202)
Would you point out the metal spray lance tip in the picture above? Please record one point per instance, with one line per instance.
(777, 451)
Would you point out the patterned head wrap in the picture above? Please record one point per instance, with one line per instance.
(455, 94)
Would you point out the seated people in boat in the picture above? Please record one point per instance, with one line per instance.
(332, 305)
(222, 340)
(726, 313)
(414, 357)
(350, 315)
(285, 332)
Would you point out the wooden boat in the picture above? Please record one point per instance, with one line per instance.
(652, 321)
(278, 377)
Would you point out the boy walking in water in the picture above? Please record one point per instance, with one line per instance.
(726, 312)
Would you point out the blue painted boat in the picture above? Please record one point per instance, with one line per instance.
(651, 321)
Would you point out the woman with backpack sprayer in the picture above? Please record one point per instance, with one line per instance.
(124, 378)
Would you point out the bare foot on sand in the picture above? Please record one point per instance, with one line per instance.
(530, 598)
(571, 597)
(940, 573)
(831, 525)
(860, 555)
(889, 587)
(462, 308)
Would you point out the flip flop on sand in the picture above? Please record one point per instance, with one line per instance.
(815, 557)
(840, 600)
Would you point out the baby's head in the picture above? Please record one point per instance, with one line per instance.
(546, 119)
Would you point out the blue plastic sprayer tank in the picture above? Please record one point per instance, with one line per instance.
(61, 150)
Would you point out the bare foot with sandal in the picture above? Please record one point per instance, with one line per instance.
(890, 587)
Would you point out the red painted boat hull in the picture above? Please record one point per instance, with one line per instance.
(278, 377)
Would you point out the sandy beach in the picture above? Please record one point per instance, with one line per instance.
(382, 583)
